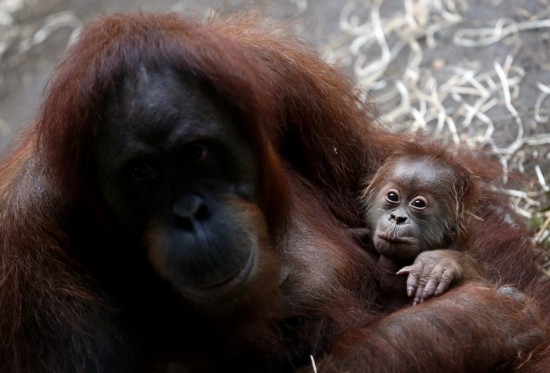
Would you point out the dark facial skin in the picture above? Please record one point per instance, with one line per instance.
(409, 215)
(174, 171)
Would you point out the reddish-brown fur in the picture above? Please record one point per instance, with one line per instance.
(315, 144)
(456, 191)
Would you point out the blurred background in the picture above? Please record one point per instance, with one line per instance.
(466, 71)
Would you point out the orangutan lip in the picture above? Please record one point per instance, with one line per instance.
(394, 240)
(218, 291)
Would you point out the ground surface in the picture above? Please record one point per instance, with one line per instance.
(474, 72)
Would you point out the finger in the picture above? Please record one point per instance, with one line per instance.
(404, 271)
(420, 285)
(444, 283)
(429, 289)
(418, 294)
(412, 284)
(434, 278)
(414, 278)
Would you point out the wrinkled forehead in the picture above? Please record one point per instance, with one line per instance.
(419, 173)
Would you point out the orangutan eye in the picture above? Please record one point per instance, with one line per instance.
(419, 203)
(194, 152)
(143, 170)
(392, 196)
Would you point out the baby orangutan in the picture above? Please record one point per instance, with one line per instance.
(418, 205)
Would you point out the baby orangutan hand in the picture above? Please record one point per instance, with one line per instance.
(432, 273)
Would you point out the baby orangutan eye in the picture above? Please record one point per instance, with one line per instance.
(392, 196)
(419, 203)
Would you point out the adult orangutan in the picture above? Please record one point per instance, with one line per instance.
(183, 202)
